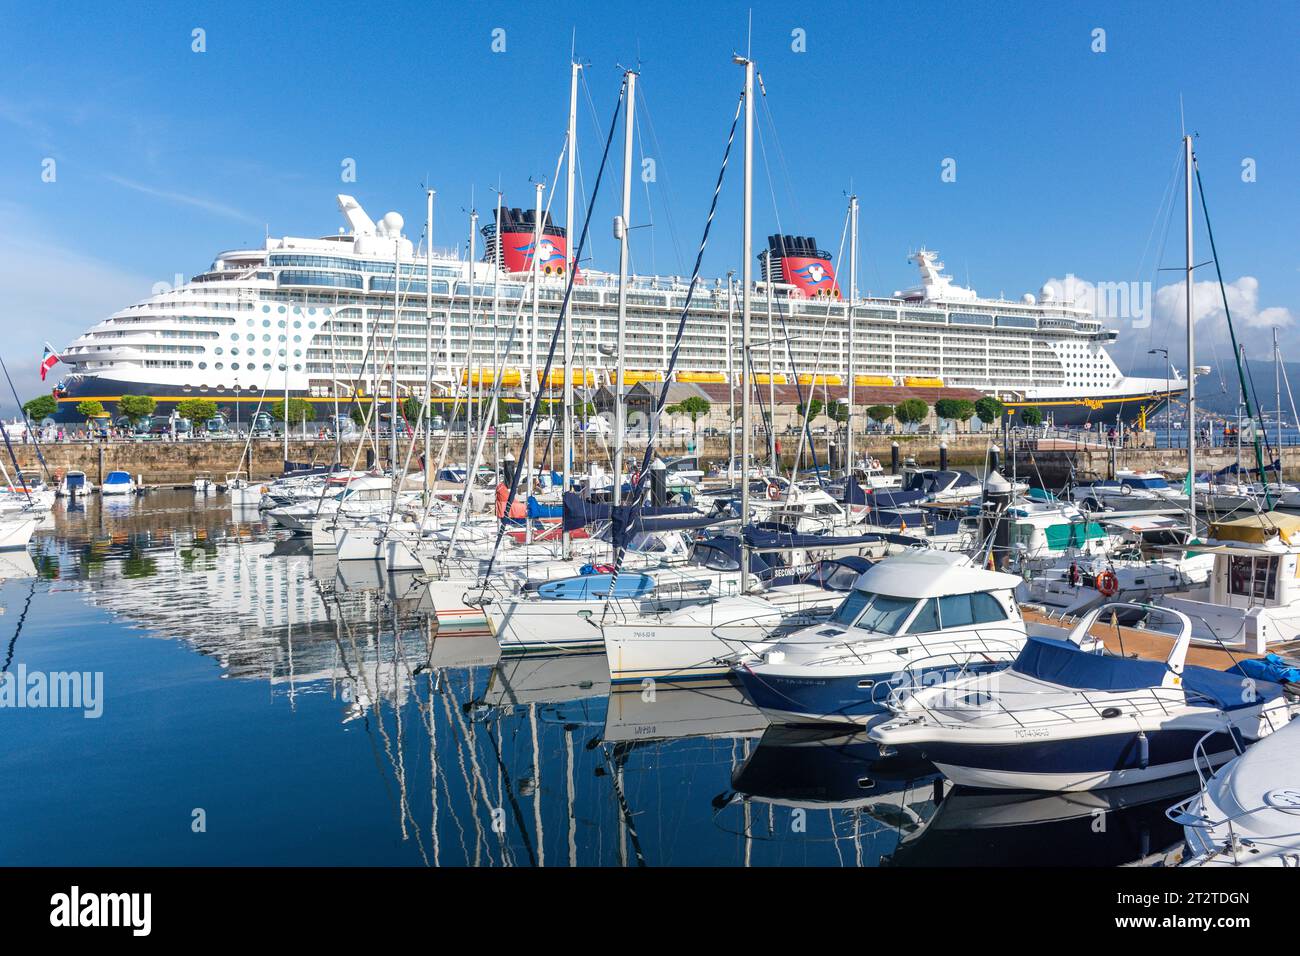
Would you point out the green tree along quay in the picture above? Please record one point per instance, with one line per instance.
(42, 406)
(954, 409)
(838, 411)
(989, 409)
(694, 408)
(880, 413)
(90, 409)
(411, 406)
(811, 409)
(911, 411)
(137, 408)
(198, 410)
(299, 410)
(1031, 415)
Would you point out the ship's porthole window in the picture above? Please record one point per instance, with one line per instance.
(266, 323)
(282, 310)
(297, 368)
(297, 338)
(217, 350)
(266, 366)
(235, 366)
(311, 325)
(281, 353)
(266, 351)
(266, 338)
(250, 321)
(281, 366)
(265, 308)
(282, 338)
(203, 365)
(297, 353)
(297, 325)
(281, 323)
(297, 311)
(220, 365)
(234, 351)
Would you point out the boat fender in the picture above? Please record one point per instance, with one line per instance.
(1144, 750)
(1107, 583)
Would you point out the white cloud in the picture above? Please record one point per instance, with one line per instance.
(1132, 306)
(1207, 302)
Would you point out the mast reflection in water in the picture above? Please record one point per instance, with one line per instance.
(263, 705)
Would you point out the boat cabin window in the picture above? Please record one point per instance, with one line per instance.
(851, 607)
(829, 508)
(957, 610)
(1253, 577)
(880, 613)
(927, 619)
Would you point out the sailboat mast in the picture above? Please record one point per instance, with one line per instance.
(392, 356)
(469, 354)
(621, 233)
(1277, 400)
(853, 298)
(567, 447)
(533, 381)
(428, 336)
(771, 365)
(746, 308)
(1191, 345)
(498, 363)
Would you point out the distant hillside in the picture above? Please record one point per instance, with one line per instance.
(1219, 395)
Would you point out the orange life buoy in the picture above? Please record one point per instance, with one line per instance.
(773, 492)
(1107, 583)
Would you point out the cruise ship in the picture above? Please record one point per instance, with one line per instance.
(315, 317)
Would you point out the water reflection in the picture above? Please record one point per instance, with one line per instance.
(410, 746)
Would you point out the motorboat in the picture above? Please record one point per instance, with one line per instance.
(1252, 603)
(204, 485)
(1248, 813)
(74, 483)
(1131, 491)
(1070, 715)
(17, 525)
(118, 483)
(935, 612)
(1154, 556)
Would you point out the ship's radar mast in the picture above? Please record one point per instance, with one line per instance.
(934, 284)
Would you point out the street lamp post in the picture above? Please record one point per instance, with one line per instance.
(1168, 403)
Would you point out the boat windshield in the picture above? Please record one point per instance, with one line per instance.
(878, 613)
(1149, 484)
(834, 576)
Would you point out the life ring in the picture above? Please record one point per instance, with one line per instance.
(773, 492)
(1126, 489)
(1107, 584)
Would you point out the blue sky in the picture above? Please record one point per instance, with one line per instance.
(165, 156)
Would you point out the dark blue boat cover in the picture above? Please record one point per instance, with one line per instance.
(579, 512)
(1064, 663)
